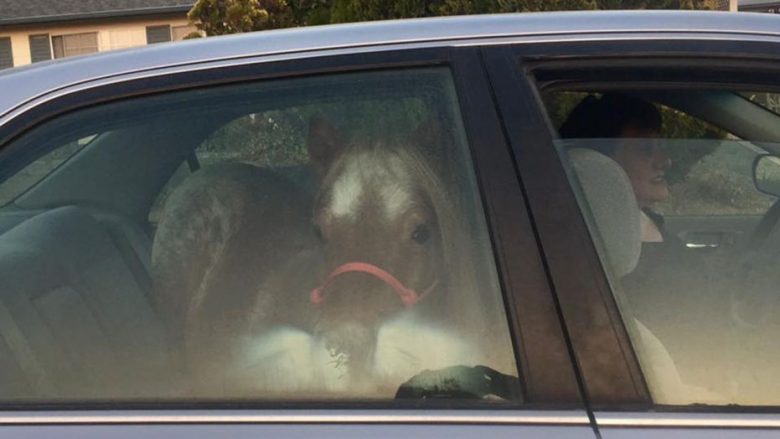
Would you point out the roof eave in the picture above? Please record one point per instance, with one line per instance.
(116, 14)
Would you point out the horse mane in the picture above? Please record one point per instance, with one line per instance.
(471, 287)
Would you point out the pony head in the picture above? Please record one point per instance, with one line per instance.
(384, 218)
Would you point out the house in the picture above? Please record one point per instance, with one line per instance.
(39, 30)
(770, 6)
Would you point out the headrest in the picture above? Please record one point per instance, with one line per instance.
(613, 207)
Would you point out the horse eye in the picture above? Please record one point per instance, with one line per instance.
(421, 234)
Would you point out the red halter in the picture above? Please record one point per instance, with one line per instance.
(408, 296)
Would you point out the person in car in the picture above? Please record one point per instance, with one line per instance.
(669, 290)
(613, 116)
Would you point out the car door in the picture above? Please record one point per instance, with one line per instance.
(675, 353)
(93, 346)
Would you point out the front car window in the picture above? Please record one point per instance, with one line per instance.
(314, 239)
(770, 101)
(690, 248)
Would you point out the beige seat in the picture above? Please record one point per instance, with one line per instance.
(613, 216)
(74, 319)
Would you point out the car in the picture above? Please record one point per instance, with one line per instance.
(428, 227)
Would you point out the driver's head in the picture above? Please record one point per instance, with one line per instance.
(636, 123)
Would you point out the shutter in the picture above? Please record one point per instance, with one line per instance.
(158, 34)
(40, 48)
(6, 54)
(58, 44)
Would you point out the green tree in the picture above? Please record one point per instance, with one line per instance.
(310, 12)
(219, 17)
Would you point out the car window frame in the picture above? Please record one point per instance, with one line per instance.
(519, 264)
(581, 285)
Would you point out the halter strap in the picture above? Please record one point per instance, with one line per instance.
(408, 296)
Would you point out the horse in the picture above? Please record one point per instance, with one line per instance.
(381, 279)
(229, 237)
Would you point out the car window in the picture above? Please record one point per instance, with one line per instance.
(316, 239)
(712, 170)
(677, 219)
(770, 101)
(716, 180)
(39, 168)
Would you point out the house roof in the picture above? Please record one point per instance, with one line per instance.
(48, 11)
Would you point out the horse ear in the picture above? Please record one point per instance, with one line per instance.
(431, 139)
(429, 132)
(324, 144)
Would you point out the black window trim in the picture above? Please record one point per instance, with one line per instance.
(513, 236)
(575, 269)
(490, 157)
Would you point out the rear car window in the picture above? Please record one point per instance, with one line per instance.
(312, 239)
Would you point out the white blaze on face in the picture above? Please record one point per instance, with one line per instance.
(346, 192)
(374, 176)
(395, 199)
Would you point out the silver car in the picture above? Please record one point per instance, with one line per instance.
(537, 225)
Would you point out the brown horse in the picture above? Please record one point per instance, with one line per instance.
(229, 239)
(396, 284)
(406, 287)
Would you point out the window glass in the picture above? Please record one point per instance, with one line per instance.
(711, 172)
(6, 53)
(40, 48)
(697, 292)
(713, 177)
(74, 44)
(158, 34)
(770, 101)
(316, 239)
(38, 169)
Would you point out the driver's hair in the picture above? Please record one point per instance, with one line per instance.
(607, 116)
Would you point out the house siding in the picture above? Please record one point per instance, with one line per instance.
(111, 35)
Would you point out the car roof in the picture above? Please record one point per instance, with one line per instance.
(22, 84)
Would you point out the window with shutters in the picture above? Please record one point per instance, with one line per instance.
(40, 48)
(74, 44)
(158, 34)
(6, 53)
